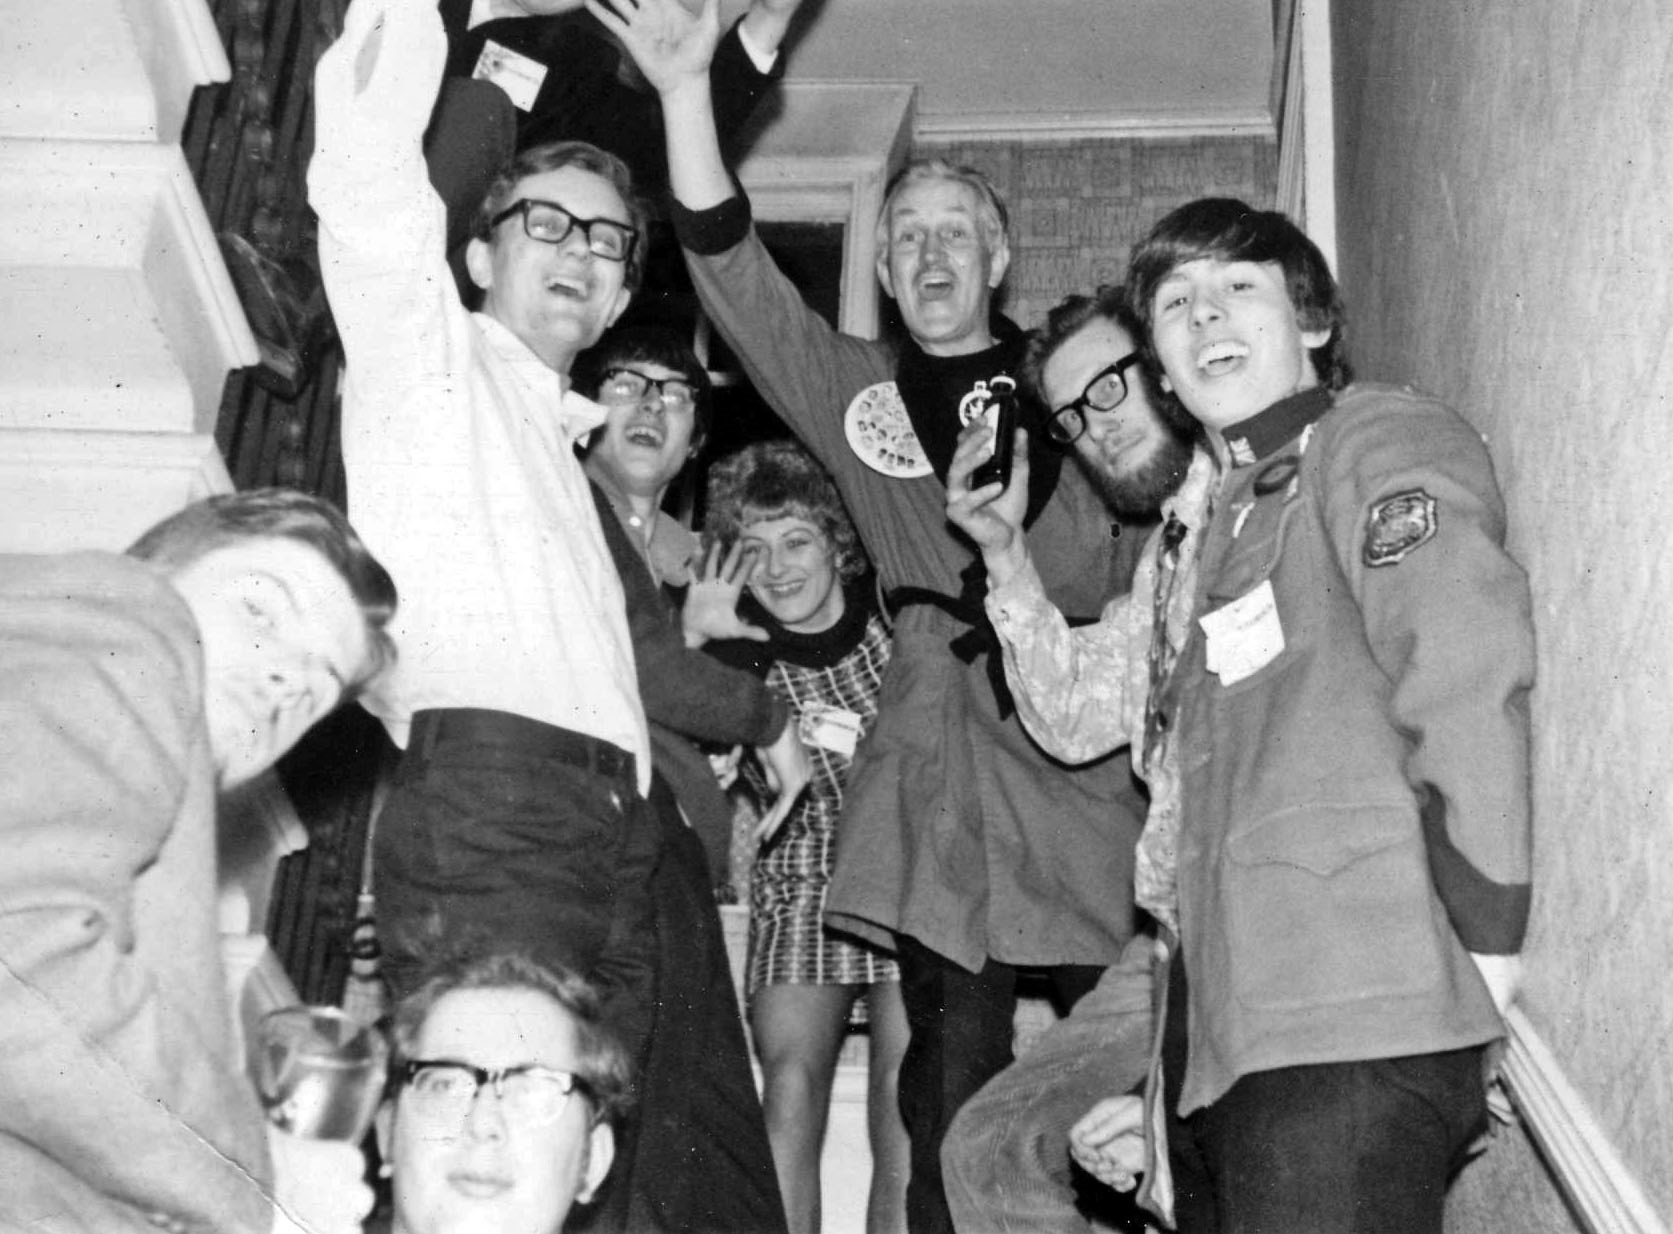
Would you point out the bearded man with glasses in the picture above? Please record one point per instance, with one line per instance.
(503, 1102)
(518, 814)
(1083, 692)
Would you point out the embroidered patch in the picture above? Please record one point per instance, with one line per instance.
(1398, 525)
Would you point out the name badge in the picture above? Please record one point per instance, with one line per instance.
(1243, 636)
(830, 728)
(513, 72)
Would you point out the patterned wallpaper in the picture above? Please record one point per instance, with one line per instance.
(1077, 207)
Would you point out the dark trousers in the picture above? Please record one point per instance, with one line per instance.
(699, 1161)
(962, 1029)
(504, 833)
(1338, 1148)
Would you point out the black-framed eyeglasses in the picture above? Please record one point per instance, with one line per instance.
(629, 385)
(1105, 392)
(444, 1089)
(550, 223)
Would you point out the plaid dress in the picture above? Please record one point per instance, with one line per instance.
(840, 668)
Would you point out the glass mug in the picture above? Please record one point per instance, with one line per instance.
(319, 1072)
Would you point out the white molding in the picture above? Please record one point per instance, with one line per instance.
(116, 307)
(1307, 125)
(181, 50)
(827, 157)
(1292, 137)
(944, 129)
(67, 489)
(1592, 1175)
(1319, 128)
(106, 70)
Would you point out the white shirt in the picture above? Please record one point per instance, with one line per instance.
(458, 441)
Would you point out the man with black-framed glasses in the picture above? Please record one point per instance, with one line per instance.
(504, 1097)
(1083, 692)
(518, 815)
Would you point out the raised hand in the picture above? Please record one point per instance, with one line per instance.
(989, 515)
(671, 45)
(711, 600)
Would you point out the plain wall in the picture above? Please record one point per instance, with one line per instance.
(1505, 229)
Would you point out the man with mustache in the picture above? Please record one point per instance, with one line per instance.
(963, 846)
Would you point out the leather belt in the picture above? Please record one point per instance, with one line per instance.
(522, 735)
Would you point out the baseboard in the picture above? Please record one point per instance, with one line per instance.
(1597, 1182)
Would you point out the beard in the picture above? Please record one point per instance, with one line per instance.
(1138, 489)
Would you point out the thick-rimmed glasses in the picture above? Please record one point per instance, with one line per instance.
(629, 385)
(550, 223)
(1105, 392)
(443, 1090)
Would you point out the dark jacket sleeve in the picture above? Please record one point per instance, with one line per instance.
(1419, 525)
(590, 92)
(685, 690)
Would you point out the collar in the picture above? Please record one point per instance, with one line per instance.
(666, 545)
(824, 648)
(1189, 504)
(1264, 432)
(577, 415)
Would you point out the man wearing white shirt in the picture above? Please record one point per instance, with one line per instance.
(517, 816)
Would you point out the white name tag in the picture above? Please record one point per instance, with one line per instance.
(1243, 636)
(513, 72)
(829, 728)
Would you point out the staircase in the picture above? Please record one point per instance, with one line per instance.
(118, 326)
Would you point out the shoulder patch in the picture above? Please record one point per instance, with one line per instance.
(1398, 525)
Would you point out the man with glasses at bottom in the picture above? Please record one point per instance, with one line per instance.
(501, 1109)
(517, 817)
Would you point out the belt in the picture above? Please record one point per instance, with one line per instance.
(522, 735)
(978, 640)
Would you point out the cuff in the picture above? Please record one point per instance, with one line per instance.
(764, 61)
(712, 231)
(1022, 593)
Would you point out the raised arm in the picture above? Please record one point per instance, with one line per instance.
(674, 47)
(1078, 691)
(382, 229)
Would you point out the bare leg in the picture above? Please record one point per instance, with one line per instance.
(891, 1150)
(798, 1032)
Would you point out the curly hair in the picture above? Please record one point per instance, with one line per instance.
(779, 479)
